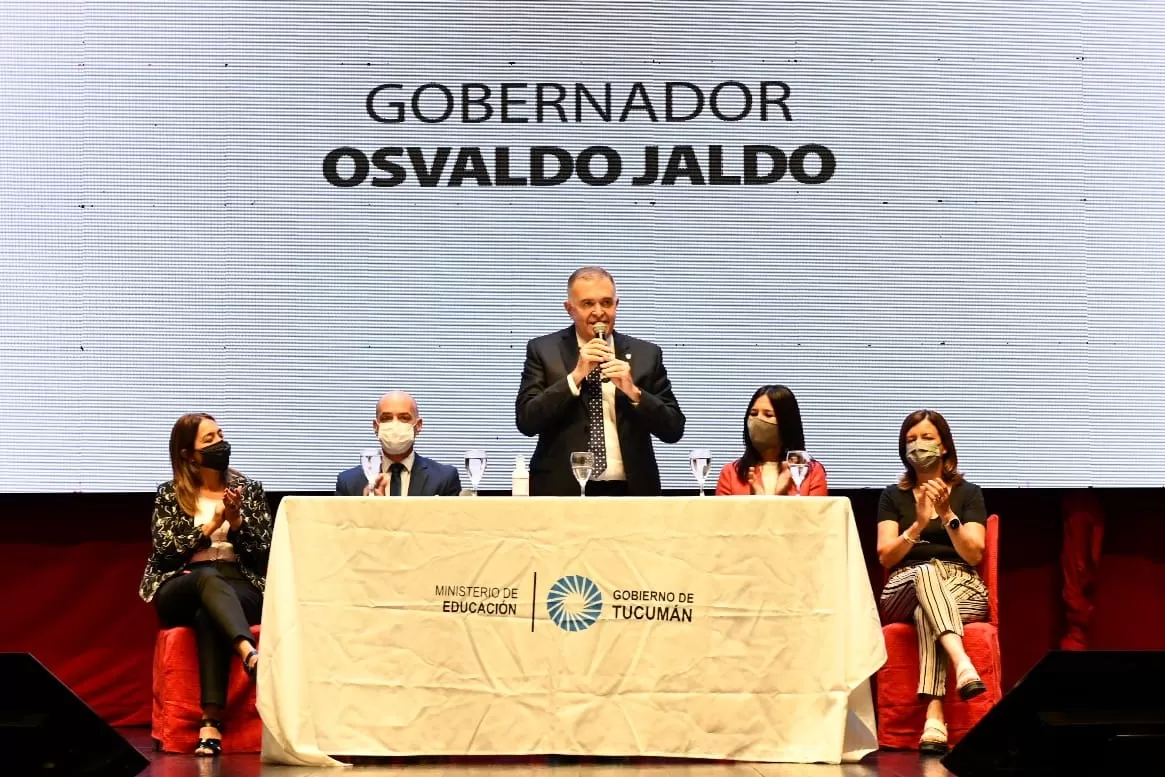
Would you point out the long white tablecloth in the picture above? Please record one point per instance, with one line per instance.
(728, 627)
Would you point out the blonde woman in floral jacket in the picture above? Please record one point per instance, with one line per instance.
(212, 535)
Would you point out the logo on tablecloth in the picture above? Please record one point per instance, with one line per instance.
(574, 603)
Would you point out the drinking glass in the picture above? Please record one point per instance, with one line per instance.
(475, 462)
(798, 462)
(701, 461)
(370, 461)
(582, 463)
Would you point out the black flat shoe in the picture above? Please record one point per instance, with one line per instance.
(972, 689)
(934, 738)
(969, 683)
(209, 747)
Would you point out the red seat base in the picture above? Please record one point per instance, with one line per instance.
(901, 714)
(177, 711)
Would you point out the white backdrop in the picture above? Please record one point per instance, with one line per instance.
(988, 245)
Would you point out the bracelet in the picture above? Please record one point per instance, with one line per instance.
(909, 539)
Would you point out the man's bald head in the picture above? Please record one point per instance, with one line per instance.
(397, 406)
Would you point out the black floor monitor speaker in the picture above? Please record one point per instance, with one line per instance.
(1074, 713)
(46, 730)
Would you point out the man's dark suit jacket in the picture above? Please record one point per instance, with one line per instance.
(546, 407)
(428, 478)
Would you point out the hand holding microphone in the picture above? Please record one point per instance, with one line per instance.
(601, 332)
(615, 370)
(593, 353)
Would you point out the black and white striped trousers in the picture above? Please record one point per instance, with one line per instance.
(939, 596)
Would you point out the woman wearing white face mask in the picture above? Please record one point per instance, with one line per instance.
(931, 533)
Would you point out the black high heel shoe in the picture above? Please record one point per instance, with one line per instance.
(210, 747)
(251, 664)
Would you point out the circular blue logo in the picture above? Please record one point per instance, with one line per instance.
(574, 603)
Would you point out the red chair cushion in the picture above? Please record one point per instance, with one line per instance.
(901, 714)
(177, 710)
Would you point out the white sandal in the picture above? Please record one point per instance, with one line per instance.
(968, 682)
(934, 738)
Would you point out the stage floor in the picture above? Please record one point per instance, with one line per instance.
(881, 764)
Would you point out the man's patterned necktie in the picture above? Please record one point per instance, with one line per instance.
(596, 441)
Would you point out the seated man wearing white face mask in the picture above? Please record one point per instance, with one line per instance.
(402, 471)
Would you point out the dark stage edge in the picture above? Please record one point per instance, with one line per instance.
(880, 764)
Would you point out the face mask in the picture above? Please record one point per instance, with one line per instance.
(923, 454)
(217, 456)
(396, 437)
(765, 435)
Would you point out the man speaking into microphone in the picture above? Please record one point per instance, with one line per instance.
(592, 388)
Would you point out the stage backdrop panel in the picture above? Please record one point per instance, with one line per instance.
(212, 206)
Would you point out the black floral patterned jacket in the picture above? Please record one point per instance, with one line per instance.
(176, 537)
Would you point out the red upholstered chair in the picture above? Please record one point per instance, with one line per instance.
(177, 712)
(901, 714)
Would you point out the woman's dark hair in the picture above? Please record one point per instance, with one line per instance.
(788, 422)
(950, 470)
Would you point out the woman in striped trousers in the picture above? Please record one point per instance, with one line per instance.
(931, 531)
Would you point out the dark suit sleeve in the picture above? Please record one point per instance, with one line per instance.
(540, 405)
(349, 483)
(658, 407)
(451, 486)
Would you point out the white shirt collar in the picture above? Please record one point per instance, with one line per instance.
(407, 461)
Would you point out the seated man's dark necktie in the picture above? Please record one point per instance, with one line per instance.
(596, 441)
(394, 481)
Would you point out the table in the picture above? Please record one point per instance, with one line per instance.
(736, 628)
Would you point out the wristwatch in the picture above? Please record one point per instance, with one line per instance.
(954, 523)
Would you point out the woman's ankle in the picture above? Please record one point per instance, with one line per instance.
(963, 667)
(209, 736)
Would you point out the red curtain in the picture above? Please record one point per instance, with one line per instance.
(76, 609)
(1080, 565)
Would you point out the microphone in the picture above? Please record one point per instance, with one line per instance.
(601, 333)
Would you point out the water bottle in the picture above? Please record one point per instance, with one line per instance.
(520, 479)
